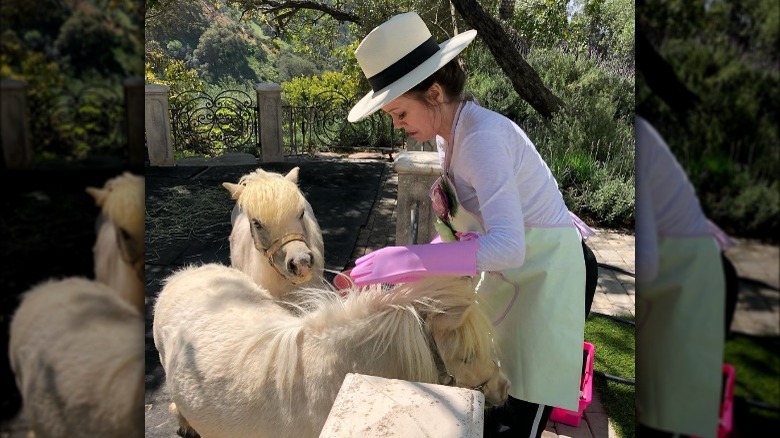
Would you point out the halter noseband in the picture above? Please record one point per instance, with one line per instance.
(445, 378)
(276, 245)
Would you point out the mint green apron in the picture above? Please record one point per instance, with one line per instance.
(680, 337)
(538, 311)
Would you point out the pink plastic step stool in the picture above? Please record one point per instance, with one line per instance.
(573, 418)
(727, 405)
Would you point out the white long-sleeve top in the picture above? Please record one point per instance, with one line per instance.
(500, 177)
(666, 202)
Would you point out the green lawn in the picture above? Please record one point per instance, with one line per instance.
(613, 343)
(757, 379)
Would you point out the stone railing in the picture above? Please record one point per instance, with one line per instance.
(15, 139)
(417, 171)
(159, 140)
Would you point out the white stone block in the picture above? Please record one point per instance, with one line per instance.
(373, 407)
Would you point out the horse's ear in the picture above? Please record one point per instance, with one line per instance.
(99, 195)
(234, 189)
(293, 175)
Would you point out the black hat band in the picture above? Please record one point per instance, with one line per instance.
(398, 69)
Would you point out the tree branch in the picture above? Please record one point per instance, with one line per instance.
(291, 7)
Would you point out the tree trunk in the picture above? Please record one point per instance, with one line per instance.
(661, 78)
(524, 78)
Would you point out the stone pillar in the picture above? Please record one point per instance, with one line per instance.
(158, 125)
(15, 137)
(134, 116)
(417, 171)
(269, 122)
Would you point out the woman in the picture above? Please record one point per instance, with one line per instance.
(502, 217)
(686, 293)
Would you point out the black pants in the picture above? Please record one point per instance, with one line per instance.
(732, 291)
(518, 418)
(591, 276)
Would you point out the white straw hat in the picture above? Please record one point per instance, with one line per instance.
(399, 54)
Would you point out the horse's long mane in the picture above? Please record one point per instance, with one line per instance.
(265, 191)
(392, 320)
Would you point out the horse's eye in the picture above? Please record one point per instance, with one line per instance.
(470, 358)
(301, 215)
(257, 224)
(125, 234)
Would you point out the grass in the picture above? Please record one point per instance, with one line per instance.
(757, 379)
(614, 355)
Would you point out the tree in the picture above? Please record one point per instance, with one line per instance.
(183, 20)
(524, 78)
(222, 53)
(87, 43)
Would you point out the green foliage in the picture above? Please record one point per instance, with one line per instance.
(605, 27)
(87, 43)
(161, 69)
(302, 90)
(757, 369)
(183, 20)
(291, 66)
(726, 53)
(322, 103)
(542, 23)
(589, 146)
(72, 58)
(44, 16)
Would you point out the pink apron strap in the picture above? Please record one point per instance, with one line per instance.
(582, 228)
(724, 240)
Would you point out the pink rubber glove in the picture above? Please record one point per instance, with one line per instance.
(400, 264)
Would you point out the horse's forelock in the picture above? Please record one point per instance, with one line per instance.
(124, 203)
(270, 197)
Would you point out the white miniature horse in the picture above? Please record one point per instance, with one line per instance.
(76, 344)
(276, 239)
(240, 363)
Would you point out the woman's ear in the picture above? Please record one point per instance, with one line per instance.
(435, 93)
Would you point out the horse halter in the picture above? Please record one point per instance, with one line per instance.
(445, 378)
(276, 245)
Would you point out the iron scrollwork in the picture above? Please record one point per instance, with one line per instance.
(76, 123)
(213, 125)
(322, 124)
